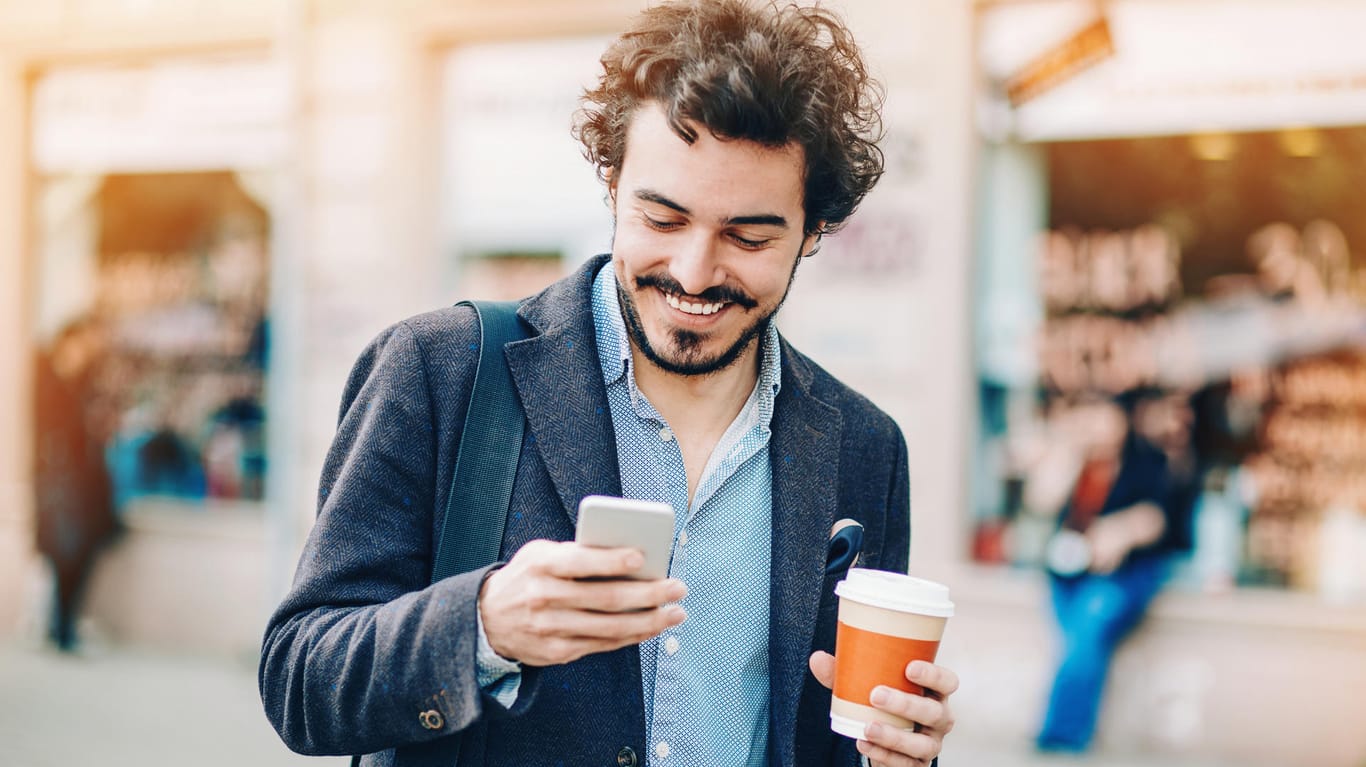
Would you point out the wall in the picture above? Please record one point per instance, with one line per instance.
(15, 527)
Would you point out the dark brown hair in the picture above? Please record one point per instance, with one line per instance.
(761, 73)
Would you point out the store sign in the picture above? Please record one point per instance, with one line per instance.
(175, 115)
(1179, 68)
(1080, 51)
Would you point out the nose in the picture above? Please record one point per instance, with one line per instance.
(696, 264)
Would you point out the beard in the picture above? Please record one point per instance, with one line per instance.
(687, 357)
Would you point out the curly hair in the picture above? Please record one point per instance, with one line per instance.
(768, 74)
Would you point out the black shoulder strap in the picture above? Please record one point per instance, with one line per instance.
(490, 444)
(485, 460)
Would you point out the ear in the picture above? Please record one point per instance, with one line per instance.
(609, 175)
(811, 243)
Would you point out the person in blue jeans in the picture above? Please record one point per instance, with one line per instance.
(1109, 559)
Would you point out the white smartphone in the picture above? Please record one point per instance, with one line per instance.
(621, 522)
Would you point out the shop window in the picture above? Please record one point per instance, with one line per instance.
(1212, 286)
(172, 279)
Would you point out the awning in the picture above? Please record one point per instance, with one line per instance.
(1176, 68)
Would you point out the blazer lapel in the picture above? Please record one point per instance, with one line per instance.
(559, 381)
(804, 451)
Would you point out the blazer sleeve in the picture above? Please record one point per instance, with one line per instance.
(363, 654)
(896, 553)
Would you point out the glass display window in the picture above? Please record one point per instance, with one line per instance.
(1210, 288)
(172, 307)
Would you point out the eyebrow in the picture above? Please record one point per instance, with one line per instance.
(759, 219)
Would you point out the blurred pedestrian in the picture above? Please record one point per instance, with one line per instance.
(1107, 561)
(73, 496)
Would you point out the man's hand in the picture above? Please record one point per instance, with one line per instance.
(888, 746)
(538, 611)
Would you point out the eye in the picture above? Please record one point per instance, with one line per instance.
(750, 244)
(660, 226)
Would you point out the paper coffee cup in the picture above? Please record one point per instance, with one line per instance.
(886, 620)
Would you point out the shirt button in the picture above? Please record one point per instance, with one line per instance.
(671, 645)
(662, 750)
(431, 719)
(666, 434)
(626, 757)
(683, 538)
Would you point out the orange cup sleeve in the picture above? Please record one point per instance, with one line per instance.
(866, 659)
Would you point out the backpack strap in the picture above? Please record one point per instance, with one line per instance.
(490, 445)
(485, 459)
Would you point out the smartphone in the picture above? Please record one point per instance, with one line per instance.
(620, 522)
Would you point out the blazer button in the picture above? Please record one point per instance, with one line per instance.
(431, 719)
(626, 757)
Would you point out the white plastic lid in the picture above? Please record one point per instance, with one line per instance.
(894, 591)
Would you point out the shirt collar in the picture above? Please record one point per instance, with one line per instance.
(614, 350)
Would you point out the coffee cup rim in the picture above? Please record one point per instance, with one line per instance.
(906, 593)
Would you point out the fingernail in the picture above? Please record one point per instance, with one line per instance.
(677, 590)
(916, 668)
(879, 697)
(675, 613)
(873, 730)
(634, 560)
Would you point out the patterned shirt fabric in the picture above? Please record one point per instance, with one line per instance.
(706, 681)
(498, 676)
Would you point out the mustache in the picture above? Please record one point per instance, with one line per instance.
(713, 295)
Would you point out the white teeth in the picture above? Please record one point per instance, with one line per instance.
(692, 308)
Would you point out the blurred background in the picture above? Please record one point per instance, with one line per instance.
(207, 209)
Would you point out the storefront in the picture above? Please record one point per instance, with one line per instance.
(153, 186)
(1168, 219)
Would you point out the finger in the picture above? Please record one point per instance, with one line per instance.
(937, 679)
(904, 743)
(620, 595)
(823, 668)
(570, 649)
(574, 560)
(625, 628)
(927, 713)
(885, 757)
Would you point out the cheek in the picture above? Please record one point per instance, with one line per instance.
(768, 281)
(638, 250)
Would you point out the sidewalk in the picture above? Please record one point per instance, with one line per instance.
(118, 706)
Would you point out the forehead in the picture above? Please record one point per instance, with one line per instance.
(710, 173)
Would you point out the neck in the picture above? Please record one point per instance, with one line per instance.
(701, 405)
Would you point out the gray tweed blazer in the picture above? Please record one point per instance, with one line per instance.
(363, 656)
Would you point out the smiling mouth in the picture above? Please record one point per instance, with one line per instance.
(694, 307)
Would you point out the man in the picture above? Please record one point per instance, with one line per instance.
(731, 138)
